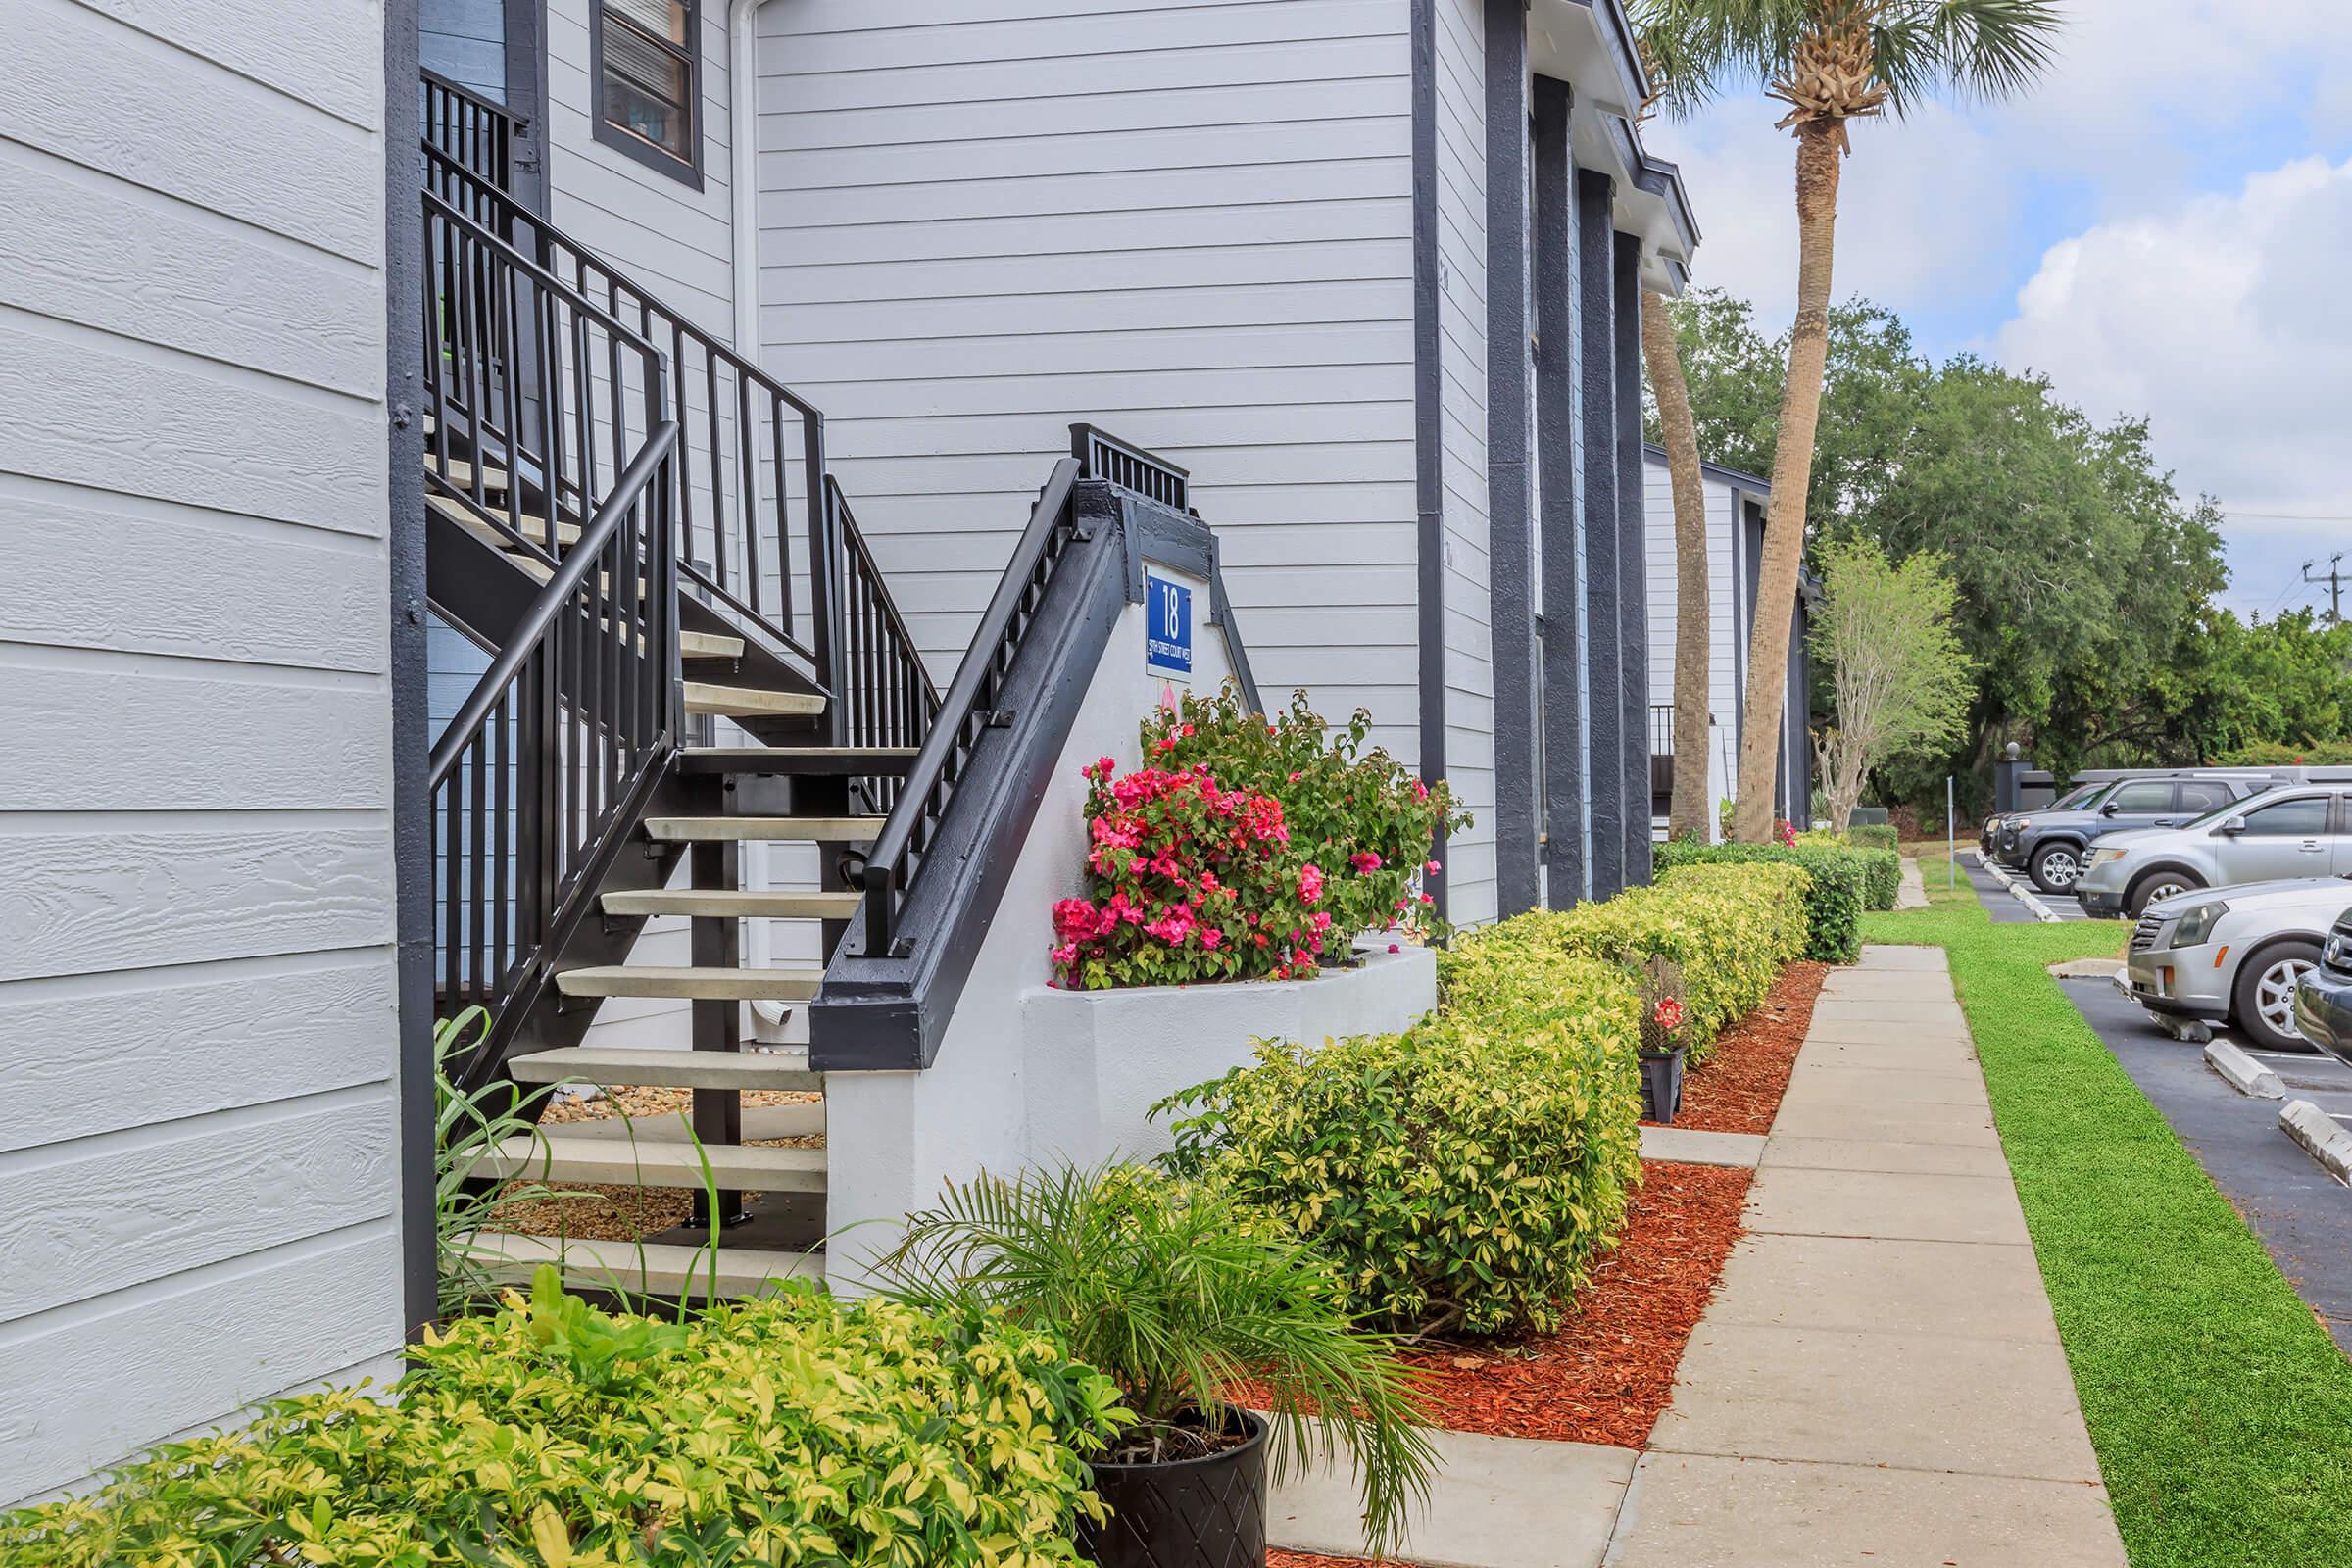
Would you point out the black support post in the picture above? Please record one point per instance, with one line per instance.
(1633, 563)
(1559, 667)
(717, 1024)
(1510, 501)
(1604, 624)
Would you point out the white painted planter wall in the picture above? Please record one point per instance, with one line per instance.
(1096, 1061)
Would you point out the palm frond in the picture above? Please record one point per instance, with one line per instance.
(1981, 49)
(1164, 1288)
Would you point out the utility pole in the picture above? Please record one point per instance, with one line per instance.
(2334, 579)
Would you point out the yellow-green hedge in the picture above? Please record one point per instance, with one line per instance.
(1729, 928)
(795, 1429)
(1463, 1174)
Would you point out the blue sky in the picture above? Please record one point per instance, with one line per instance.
(2163, 228)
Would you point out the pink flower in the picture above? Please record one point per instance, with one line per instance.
(1365, 863)
(1211, 938)
(1420, 791)
(1432, 868)
(1066, 955)
(1669, 1014)
(1320, 919)
(1427, 899)
(1394, 948)
(1310, 882)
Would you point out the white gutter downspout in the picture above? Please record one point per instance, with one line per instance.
(743, 291)
(743, 175)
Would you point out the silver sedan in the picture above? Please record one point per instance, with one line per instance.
(2233, 956)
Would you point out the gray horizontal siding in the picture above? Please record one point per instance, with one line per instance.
(1189, 223)
(465, 40)
(197, 1193)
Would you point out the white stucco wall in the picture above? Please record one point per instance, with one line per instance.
(894, 1139)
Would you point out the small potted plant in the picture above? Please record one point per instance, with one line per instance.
(1662, 1042)
(1196, 1314)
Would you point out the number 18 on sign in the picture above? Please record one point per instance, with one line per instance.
(1169, 628)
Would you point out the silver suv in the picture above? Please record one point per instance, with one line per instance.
(2296, 830)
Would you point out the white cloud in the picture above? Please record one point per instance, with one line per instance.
(2225, 321)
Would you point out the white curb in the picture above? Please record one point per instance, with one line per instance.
(2323, 1137)
(2018, 890)
(2242, 1072)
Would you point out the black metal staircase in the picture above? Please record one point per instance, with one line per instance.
(694, 653)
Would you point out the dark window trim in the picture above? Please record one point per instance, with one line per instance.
(687, 172)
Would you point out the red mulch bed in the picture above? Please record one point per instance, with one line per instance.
(1739, 1088)
(1276, 1557)
(1606, 1377)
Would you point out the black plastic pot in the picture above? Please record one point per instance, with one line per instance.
(1661, 1084)
(1191, 1513)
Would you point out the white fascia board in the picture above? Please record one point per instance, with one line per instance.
(1590, 45)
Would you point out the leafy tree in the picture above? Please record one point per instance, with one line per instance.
(1833, 62)
(1901, 681)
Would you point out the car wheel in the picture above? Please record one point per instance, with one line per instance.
(2159, 885)
(2058, 868)
(2264, 1000)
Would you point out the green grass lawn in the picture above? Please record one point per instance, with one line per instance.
(2221, 1411)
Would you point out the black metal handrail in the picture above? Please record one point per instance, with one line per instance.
(886, 690)
(752, 454)
(475, 133)
(971, 706)
(531, 780)
(1103, 456)
(1661, 729)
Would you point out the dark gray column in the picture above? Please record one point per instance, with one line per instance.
(1632, 563)
(1510, 498)
(1559, 471)
(526, 95)
(1428, 486)
(1604, 626)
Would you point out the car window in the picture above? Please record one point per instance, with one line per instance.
(2152, 794)
(2201, 795)
(2305, 817)
(2081, 798)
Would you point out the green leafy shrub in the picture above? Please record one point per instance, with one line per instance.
(792, 1429)
(1729, 928)
(1181, 1301)
(1834, 903)
(1872, 836)
(1463, 1174)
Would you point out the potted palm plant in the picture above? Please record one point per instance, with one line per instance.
(1197, 1315)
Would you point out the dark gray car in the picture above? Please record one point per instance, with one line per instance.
(2052, 845)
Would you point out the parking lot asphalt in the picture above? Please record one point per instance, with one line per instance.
(2303, 1216)
(1998, 901)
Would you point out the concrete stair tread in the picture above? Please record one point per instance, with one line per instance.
(653, 1067)
(459, 474)
(725, 829)
(558, 1159)
(653, 1268)
(760, 1124)
(532, 528)
(710, 645)
(690, 982)
(703, 697)
(722, 904)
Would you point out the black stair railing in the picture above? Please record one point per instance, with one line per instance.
(895, 860)
(762, 537)
(551, 754)
(477, 132)
(886, 692)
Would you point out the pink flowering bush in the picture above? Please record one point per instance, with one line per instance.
(1245, 850)
(1354, 813)
(1186, 881)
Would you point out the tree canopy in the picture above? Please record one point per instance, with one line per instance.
(2085, 581)
(1900, 683)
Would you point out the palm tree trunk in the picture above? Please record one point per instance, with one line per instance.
(1689, 810)
(1817, 157)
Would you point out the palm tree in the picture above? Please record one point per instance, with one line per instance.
(1831, 62)
(1687, 809)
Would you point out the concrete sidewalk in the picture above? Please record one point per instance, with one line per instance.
(1878, 1380)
